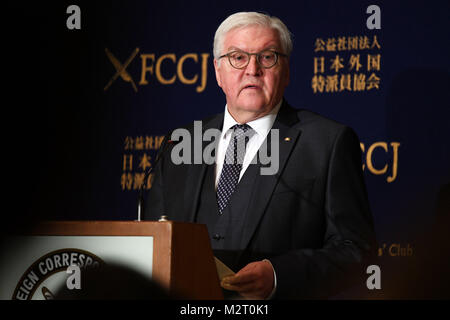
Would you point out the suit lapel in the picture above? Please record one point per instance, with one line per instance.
(265, 184)
(196, 173)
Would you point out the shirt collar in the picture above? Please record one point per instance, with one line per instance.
(261, 125)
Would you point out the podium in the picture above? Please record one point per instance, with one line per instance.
(176, 255)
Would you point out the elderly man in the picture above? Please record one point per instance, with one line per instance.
(303, 232)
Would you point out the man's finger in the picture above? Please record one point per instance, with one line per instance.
(243, 278)
(241, 287)
(246, 274)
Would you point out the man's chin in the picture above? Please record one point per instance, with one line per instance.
(253, 106)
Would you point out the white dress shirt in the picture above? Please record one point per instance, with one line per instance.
(262, 127)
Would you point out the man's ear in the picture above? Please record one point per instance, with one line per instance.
(216, 68)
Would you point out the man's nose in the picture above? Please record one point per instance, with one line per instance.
(253, 68)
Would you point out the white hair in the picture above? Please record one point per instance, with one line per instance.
(245, 19)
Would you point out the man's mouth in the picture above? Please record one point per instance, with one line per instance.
(252, 86)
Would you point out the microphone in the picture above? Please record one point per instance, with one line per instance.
(140, 205)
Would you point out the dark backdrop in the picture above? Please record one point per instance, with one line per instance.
(73, 149)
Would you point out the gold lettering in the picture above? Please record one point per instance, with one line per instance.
(359, 82)
(139, 143)
(331, 83)
(319, 65)
(364, 43)
(159, 76)
(319, 45)
(409, 251)
(362, 150)
(126, 181)
(375, 43)
(373, 62)
(346, 82)
(394, 253)
(369, 158)
(318, 83)
(331, 44)
(373, 82)
(342, 43)
(394, 146)
(138, 180)
(180, 74)
(202, 86)
(158, 141)
(129, 142)
(146, 68)
(352, 43)
(336, 63)
(127, 162)
(354, 62)
(145, 162)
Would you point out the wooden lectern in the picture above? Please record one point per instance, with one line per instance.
(183, 261)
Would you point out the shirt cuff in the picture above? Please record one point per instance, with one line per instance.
(270, 296)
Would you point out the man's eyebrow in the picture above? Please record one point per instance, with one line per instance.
(234, 48)
(238, 49)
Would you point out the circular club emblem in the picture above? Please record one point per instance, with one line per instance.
(48, 274)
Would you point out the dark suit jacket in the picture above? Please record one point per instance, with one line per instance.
(311, 219)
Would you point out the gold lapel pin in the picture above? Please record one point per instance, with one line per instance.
(287, 139)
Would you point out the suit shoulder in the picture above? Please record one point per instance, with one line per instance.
(312, 119)
(320, 125)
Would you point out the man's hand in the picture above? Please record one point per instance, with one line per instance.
(254, 281)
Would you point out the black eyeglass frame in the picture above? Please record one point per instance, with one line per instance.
(257, 55)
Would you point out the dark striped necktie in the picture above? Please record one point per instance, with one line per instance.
(232, 166)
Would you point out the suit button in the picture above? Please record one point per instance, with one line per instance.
(217, 237)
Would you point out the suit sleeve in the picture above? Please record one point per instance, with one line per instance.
(349, 239)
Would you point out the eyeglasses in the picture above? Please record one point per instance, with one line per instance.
(240, 59)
